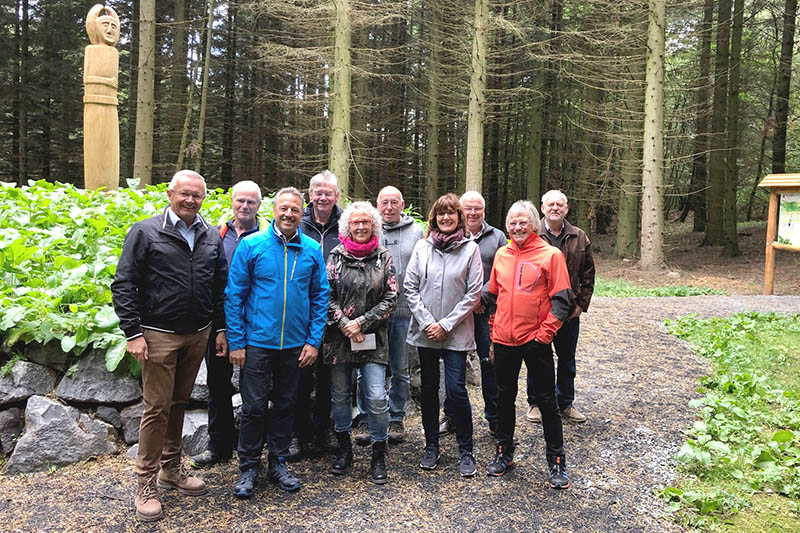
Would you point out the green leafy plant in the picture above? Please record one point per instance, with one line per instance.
(618, 288)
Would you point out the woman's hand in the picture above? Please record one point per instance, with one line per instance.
(351, 329)
(435, 332)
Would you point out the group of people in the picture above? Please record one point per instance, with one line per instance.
(325, 301)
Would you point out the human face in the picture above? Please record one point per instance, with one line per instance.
(555, 209)
(186, 198)
(447, 220)
(323, 197)
(288, 211)
(245, 205)
(519, 228)
(390, 206)
(360, 227)
(109, 30)
(475, 212)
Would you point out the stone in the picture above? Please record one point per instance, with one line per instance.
(58, 435)
(49, 354)
(92, 383)
(25, 380)
(132, 451)
(200, 389)
(236, 400)
(131, 418)
(673, 275)
(473, 369)
(195, 432)
(235, 377)
(110, 415)
(10, 428)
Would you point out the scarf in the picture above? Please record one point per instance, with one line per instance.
(445, 242)
(359, 249)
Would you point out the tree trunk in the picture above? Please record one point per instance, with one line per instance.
(178, 77)
(652, 245)
(533, 190)
(339, 150)
(761, 152)
(133, 92)
(699, 180)
(145, 103)
(784, 82)
(731, 248)
(230, 98)
(201, 122)
(22, 95)
(476, 116)
(716, 178)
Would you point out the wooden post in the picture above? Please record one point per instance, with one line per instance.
(772, 231)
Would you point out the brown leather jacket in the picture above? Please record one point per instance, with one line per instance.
(578, 251)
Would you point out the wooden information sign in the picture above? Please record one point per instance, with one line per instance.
(784, 199)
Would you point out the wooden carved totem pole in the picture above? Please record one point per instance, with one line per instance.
(100, 79)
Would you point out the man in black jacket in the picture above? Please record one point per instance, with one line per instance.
(168, 293)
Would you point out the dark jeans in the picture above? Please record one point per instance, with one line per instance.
(455, 383)
(313, 419)
(264, 369)
(220, 407)
(565, 342)
(539, 361)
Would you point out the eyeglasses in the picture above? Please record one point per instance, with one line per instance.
(320, 194)
(473, 209)
(357, 223)
(183, 195)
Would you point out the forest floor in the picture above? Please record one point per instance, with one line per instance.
(634, 383)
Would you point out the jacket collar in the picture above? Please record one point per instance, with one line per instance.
(308, 217)
(534, 241)
(569, 229)
(296, 240)
(166, 222)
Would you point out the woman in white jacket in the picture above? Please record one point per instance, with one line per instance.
(442, 286)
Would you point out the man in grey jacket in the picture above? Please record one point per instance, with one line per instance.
(400, 234)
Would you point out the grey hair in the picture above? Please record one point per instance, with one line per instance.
(360, 207)
(189, 174)
(473, 195)
(246, 185)
(555, 192)
(325, 177)
(289, 190)
(525, 207)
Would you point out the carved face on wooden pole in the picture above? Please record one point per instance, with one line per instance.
(103, 28)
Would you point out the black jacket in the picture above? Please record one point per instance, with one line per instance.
(161, 284)
(327, 235)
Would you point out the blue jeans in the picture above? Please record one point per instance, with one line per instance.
(374, 376)
(455, 384)
(565, 342)
(400, 382)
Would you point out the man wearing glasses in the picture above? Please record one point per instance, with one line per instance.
(168, 292)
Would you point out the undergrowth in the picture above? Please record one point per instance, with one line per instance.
(617, 288)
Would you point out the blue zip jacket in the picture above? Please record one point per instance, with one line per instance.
(277, 293)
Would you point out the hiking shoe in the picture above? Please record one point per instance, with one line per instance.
(446, 426)
(295, 450)
(397, 432)
(558, 474)
(246, 484)
(175, 476)
(205, 459)
(279, 475)
(571, 414)
(467, 467)
(377, 467)
(534, 415)
(327, 442)
(361, 434)
(148, 506)
(344, 454)
(430, 459)
(500, 464)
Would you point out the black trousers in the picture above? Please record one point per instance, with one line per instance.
(313, 418)
(220, 407)
(539, 361)
(264, 370)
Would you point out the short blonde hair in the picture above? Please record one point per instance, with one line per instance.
(525, 207)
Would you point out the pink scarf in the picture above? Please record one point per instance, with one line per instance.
(359, 249)
(444, 241)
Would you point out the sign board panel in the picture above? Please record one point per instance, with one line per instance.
(789, 220)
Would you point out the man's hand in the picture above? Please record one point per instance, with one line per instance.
(577, 312)
(237, 357)
(479, 309)
(138, 348)
(307, 355)
(222, 344)
(352, 328)
(435, 332)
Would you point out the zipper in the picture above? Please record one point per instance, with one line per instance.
(285, 272)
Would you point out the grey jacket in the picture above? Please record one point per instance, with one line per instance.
(489, 240)
(443, 287)
(400, 240)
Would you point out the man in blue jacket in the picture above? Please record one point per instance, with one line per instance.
(277, 302)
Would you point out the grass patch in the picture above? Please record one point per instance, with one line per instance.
(617, 288)
(740, 464)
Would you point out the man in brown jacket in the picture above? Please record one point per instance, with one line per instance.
(577, 249)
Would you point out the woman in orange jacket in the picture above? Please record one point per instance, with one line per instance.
(530, 281)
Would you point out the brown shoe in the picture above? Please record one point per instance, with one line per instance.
(175, 476)
(397, 432)
(573, 415)
(148, 506)
(534, 415)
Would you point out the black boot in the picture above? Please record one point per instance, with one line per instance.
(344, 454)
(377, 468)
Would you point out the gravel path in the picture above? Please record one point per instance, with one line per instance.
(634, 383)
